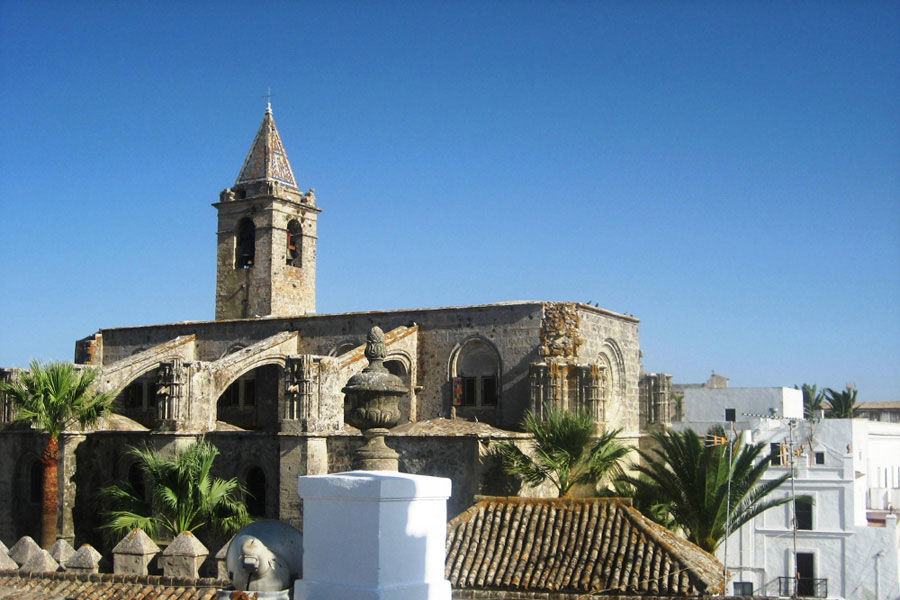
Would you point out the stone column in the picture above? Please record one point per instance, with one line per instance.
(373, 535)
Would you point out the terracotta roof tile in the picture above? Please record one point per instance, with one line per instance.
(91, 586)
(589, 545)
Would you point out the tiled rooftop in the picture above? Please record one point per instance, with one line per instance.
(589, 545)
(15, 585)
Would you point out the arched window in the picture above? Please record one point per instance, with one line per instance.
(294, 254)
(256, 492)
(245, 250)
(475, 382)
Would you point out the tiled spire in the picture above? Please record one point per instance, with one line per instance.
(267, 160)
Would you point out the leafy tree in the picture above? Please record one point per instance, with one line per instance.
(567, 451)
(812, 399)
(52, 397)
(688, 482)
(184, 496)
(843, 403)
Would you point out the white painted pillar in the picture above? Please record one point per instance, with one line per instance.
(373, 535)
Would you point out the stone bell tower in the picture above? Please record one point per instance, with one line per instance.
(266, 257)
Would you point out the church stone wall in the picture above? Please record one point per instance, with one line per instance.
(614, 338)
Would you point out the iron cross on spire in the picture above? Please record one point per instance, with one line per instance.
(268, 99)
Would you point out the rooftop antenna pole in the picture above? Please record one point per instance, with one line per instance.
(794, 505)
(729, 416)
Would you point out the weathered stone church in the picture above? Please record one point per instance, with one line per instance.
(263, 380)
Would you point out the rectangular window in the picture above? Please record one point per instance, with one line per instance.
(820, 458)
(743, 588)
(775, 450)
(729, 415)
(803, 512)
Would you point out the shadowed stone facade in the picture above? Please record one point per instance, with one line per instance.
(263, 381)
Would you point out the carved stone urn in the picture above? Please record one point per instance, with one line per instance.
(374, 397)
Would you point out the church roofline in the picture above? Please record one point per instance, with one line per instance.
(510, 303)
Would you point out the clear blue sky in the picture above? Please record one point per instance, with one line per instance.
(728, 172)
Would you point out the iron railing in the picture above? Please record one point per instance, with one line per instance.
(802, 587)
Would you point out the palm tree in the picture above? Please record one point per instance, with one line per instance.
(567, 451)
(843, 403)
(812, 399)
(689, 480)
(52, 397)
(184, 496)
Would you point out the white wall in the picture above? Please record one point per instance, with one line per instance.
(844, 546)
(706, 406)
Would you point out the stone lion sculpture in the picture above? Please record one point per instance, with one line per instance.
(265, 556)
(259, 569)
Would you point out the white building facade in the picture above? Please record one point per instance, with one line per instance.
(847, 480)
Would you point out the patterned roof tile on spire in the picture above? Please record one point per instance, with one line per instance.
(267, 160)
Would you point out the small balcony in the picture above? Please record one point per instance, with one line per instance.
(802, 587)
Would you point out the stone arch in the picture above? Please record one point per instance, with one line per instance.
(251, 400)
(474, 370)
(611, 357)
(136, 399)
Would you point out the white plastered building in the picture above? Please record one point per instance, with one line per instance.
(847, 480)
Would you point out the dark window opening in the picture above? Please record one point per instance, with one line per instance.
(803, 512)
(743, 588)
(256, 492)
(294, 257)
(476, 382)
(250, 392)
(775, 451)
(231, 396)
(488, 390)
(820, 458)
(730, 415)
(35, 482)
(805, 574)
(246, 244)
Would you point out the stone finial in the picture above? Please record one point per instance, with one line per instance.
(183, 557)
(61, 551)
(6, 563)
(24, 549)
(375, 349)
(85, 560)
(133, 554)
(41, 562)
